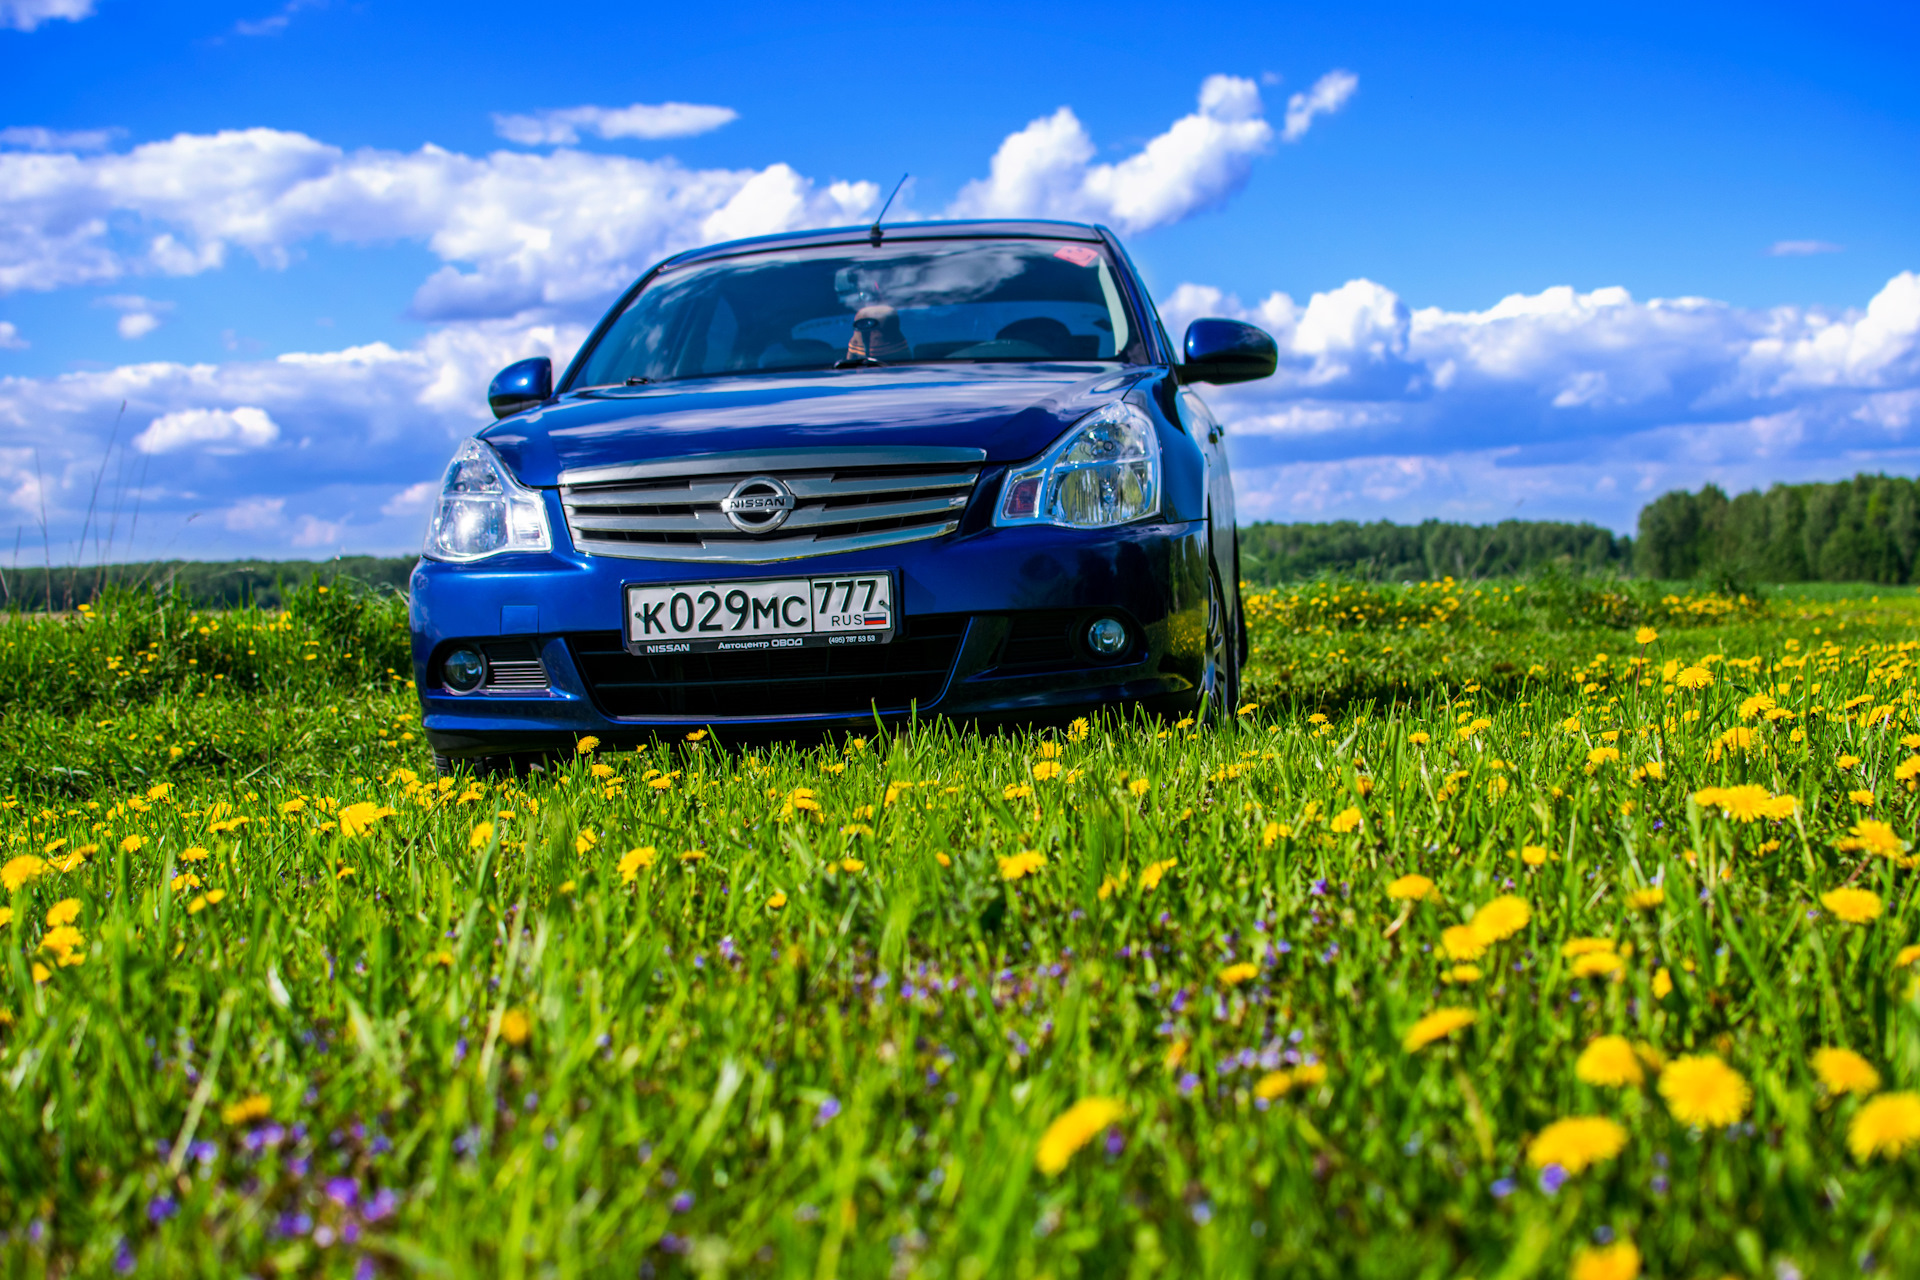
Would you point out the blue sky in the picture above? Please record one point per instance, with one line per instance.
(1590, 169)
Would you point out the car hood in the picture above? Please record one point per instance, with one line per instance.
(1010, 411)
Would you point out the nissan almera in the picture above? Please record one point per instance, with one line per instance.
(820, 481)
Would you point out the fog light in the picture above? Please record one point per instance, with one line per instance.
(463, 670)
(1107, 637)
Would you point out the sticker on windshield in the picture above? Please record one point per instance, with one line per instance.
(1078, 254)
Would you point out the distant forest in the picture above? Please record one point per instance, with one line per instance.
(1866, 529)
(219, 584)
(1271, 553)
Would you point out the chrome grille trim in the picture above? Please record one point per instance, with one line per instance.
(671, 510)
(514, 666)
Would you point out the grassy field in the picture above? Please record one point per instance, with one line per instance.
(1509, 929)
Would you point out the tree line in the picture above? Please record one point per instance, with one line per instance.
(1866, 529)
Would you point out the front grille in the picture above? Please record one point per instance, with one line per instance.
(854, 680)
(513, 667)
(842, 500)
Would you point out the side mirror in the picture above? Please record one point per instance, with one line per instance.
(1220, 351)
(526, 383)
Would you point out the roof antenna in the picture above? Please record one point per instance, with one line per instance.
(873, 233)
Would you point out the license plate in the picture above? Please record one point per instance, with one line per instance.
(769, 613)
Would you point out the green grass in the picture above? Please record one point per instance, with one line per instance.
(457, 1039)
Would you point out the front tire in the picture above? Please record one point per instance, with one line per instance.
(1220, 681)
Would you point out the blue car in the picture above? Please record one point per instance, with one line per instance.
(820, 481)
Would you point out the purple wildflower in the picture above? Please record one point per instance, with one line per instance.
(829, 1108)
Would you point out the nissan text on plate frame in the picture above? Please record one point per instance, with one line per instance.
(810, 481)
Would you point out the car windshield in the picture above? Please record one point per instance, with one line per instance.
(854, 305)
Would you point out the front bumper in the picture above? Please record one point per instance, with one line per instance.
(986, 621)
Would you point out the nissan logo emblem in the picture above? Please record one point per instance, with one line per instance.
(758, 504)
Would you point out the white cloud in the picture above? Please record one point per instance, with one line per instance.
(274, 23)
(559, 232)
(544, 236)
(1329, 93)
(314, 532)
(255, 515)
(25, 15)
(138, 316)
(219, 430)
(563, 126)
(1802, 248)
(414, 500)
(1567, 402)
(10, 339)
(35, 138)
(1201, 161)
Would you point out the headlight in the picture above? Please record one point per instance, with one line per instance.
(484, 511)
(1105, 471)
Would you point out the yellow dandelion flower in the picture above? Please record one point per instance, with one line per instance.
(1534, 855)
(1463, 974)
(602, 771)
(1460, 942)
(1875, 837)
(1046, 770)
(1645, 635)
(1419, 739)
(1844, 1071)
(1435, 1026)
(1079, 729)
(1139, 786)
(1597, 965)
(1235, 974)
(1907, 956)
(1501, 918)
(1600, 756)
(185, 880)
(1744, 803)
(1576, 1142)
(22, 870)
(65, 911)
(1016, 791)
(694, 855)
(776, 900)
(1662, 983)
(1073, 1129)
(1780, 808)
(515, 1026)
(1610, 1063)
(1862, 797)
(852, 866)
(1646, 899)
(1888, 1125)
(1274, 1084)
(1050, 751)
(1411, 888)
(584, 841)
(634, 861)
(1316, 718)
(480, 836)
(1024, 863)
(193, 853)
(1703, 1091)
(132, 844)
(697, 735)
(1346, 820)
(358, 819)
(1855, 906)
(586, 746)
(1150, 876)
(254, 1107)
(1694, 678)
(1574, 947)
(1617, 1261)
(293, 806)
(1846, 762)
